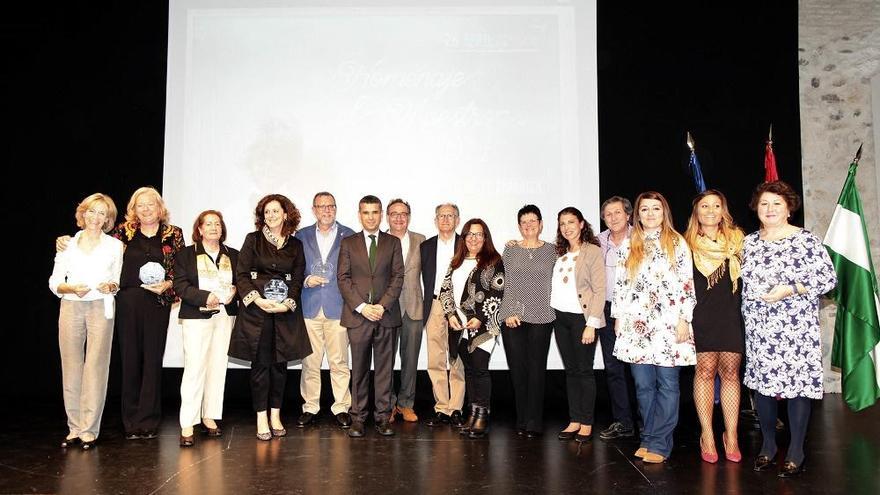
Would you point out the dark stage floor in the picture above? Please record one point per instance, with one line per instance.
(843, 456)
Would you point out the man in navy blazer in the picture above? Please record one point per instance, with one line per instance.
(447, 378)
(370, 279)
(322, 309)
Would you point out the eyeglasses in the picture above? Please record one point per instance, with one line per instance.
(399, 214)
(324, 207)
(446, 216)
(475, 235)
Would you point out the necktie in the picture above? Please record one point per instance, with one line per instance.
(372, 251)
(372, 256)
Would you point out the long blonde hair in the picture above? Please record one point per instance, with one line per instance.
(725, 227)
(668, 236)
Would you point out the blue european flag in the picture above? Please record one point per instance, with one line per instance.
(697, 172)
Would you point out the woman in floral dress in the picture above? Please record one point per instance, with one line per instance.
(653, 305)
(785, 270)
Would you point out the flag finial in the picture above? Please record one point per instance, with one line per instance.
(858, 155)
(770, 135)
(690, 141)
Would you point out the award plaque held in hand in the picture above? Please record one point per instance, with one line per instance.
(323, 269)
(152, 273)
(275, 290)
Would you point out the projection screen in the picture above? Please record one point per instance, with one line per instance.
(490, 107)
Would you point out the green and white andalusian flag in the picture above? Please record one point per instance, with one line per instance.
(856, 348)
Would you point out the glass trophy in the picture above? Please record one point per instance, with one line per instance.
(323, 269)
(275, 290)
(224, 292)
(152, 273)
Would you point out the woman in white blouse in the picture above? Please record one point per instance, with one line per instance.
(578, 297)
(86, 277)
(653, 304)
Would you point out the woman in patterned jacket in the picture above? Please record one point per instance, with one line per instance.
(471, 296)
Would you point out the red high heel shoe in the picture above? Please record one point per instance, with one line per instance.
(707, 457)
(735, 456)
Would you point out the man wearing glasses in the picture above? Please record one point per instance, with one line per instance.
(409, 336)
(322, 309)
(448, 383)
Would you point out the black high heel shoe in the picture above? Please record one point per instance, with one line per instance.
(790, 469)
(70, 442)
(88, 445)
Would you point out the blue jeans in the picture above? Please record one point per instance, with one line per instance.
(657, 393)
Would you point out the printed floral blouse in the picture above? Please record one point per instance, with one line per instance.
(648, 308)
(172, 243)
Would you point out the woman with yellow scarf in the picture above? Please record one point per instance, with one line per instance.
(716, 243)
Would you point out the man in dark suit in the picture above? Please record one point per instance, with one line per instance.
(447, 379)
(370, 275)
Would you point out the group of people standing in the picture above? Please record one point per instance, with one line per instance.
(655, 299)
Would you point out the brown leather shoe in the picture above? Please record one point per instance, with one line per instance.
(653, 458)
(409, 415)
(187, 441)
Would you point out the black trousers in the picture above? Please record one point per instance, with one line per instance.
(365, 340)
(142, 329)
(577, 357)
(615, 373)
(267, 377)
(526, 347)
(477, 380)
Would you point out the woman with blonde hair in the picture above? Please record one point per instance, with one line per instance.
(653, 306)
(144, 307)
(145, 298)
(716, 243)
(86, 277)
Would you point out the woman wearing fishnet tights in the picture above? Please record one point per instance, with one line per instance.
(716, 243)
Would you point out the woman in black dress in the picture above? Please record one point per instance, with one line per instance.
(716, 243)
(270, 329)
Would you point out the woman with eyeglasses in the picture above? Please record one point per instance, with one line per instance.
(528, 318)
(471, 297)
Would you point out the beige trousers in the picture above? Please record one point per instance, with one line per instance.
(327, 336)
(447, 380)
(84, 339)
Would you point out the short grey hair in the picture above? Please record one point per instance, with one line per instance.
(451, 205)
(627, 206)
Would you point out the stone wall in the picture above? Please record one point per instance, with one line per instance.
(839, 54)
